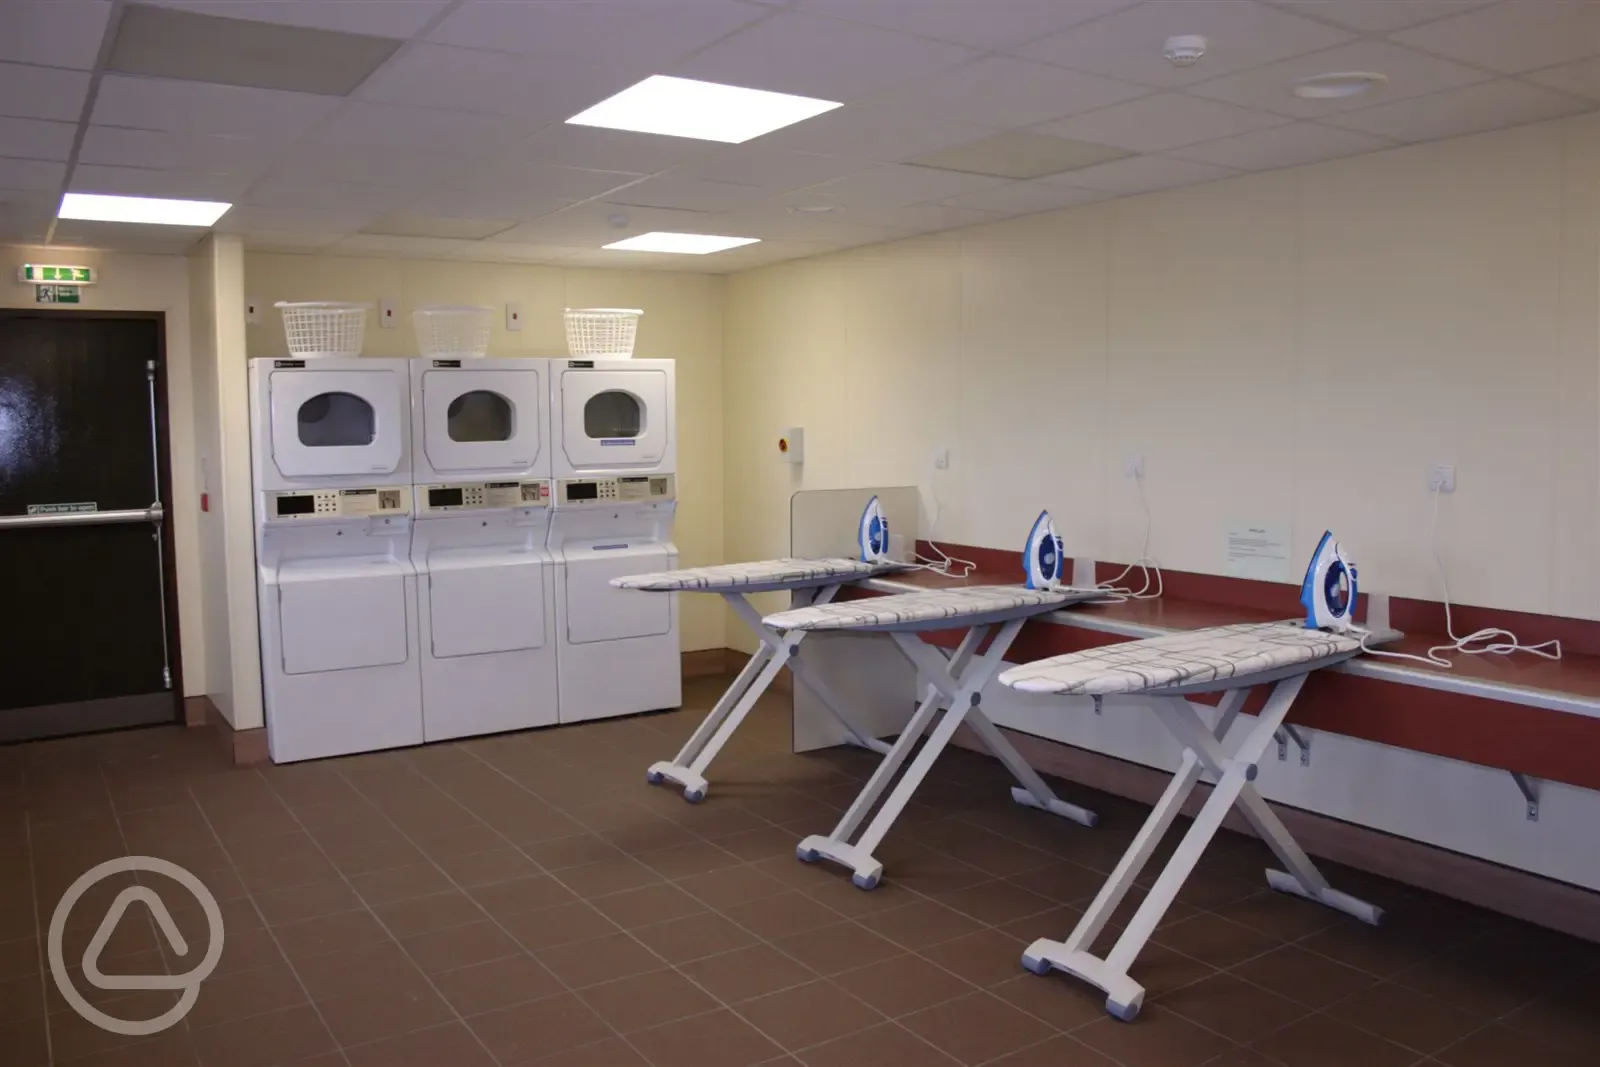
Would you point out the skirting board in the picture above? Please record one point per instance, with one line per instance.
(242, 748)
(1521, 895)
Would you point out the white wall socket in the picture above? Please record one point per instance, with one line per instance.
(1442, 478)
(513, 317)
(252, 312)
(388, 317)
(941, 459)
(1133, 467)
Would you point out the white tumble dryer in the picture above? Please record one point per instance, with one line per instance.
(614, 458)
(337, 597)
(485, 581)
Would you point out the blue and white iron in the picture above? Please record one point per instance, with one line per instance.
(1042, 559)
(1329, 589)
(872, 537)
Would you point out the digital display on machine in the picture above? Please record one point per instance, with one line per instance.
(583, 491)
(304, 504)
(444, 498)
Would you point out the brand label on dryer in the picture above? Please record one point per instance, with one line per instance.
(605, 441)
(288, 363)
(581, 364)
(447, 363)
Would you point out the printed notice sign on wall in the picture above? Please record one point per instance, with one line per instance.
(1259, 550)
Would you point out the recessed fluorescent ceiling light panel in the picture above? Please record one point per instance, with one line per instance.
(689, 244)
(93, 207)
(706, 111)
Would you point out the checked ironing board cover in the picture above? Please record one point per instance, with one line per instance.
(931, 607)
(763, 572)
(1213, 654)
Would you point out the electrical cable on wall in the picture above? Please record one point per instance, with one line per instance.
(1116, 593)
(941, 562)
(1489, 641)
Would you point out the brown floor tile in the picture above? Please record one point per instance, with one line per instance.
(240, 994)
(172, 1048)
(601, 959)
(1381, 951)
(1063, 1002)
(345, 932)
(977, 1027)
(1323, 1041)
(984, 958)
(1488, 987)
(307, 902)
(645, 1000)
(844, 898)
(487, 867)
(21, 998)
(459, 946)
(903, 985)
(735, 885)
(1234, 1008)
(1279, 915)
(560, 853)
(19, 957)
(612, 1052)
(652, 904)
(1498, 1045)
(460, 841)
(747, 972)
(503, 899)
(808, 1015)
(560, 925)
(1409, 1018)
(1215, 940)
(281, 1037)
(923, 924)
(681, 861)
(1566, 1017)
(694, 937)
(768, 842)
(400, 883)
(375, 857)
(716, 1039)
(403, 1006)
(997, 902)
(614, 874)
(450, 1045)
(1055, 1052)
(1157, 1038)
(1307, 977)
(367, 970)
(886, 1044)
(541, 1028)
(421, 915)
(500, 983)
(844, 946)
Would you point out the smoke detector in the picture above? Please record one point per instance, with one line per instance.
(1184, 51)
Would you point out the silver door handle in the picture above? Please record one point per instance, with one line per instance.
(153, 513)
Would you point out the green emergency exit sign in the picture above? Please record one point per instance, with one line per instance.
(56, 294)
(49, 274)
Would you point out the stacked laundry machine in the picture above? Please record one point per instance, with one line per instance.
(435, 539)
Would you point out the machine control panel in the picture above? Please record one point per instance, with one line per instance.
(627, 489)
(339, 503)
(471, 496)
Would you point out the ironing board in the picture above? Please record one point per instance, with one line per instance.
(1223, 659)
(959, 678)
(812, 581)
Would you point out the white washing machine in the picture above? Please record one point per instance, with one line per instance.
(614, 456)
(486, 583)
(337, 594)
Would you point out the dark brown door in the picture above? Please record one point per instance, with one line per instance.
(83, 588)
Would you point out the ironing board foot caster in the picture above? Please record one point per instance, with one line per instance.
(1125, 1012)
(1124, 996)
(1368, 913)
(866, 872)
(1036, 964)
(1055, 806)
(694, 785)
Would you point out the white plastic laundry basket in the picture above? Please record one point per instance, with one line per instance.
(602, 332)
(324, 328)
(452, 332)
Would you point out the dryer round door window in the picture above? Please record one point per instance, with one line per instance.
(480, 415)
(336, 420)
(613, 414)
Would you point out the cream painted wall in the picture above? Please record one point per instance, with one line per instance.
(1293, 347)
(682, 321)
(148, 283)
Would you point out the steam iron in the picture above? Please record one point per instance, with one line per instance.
(872, 537)
(1042, 559)
(1329, 589)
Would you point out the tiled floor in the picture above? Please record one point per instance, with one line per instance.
(529, 900)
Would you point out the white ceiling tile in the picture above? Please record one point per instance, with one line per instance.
(1379, 16)
(366, 244)
(27, 175)
(493, 83)
(630, 32)
(689, 194)
(42, 92)
(615, 150)
(926, 218)
(893, 186)
(776, 221)
(1473, 109)
(159, 150)
(1514, 37)
(508, 252)
(770, 168)
(199, 107)
(427, 133)
(1025, 198)
(1128, 44)
(862, 131)
(1283, 146)
(761, 254)
(286, 240)
(1411, 73)
(516, 191)
(820, 57)
(36, 139)
(127, 237)
(53, 33)
(1004, 93)
(257, 218)
(589, 225)
(170, 184)
(1166, 120)
(390, 18)
(1581, 78)
(294, 190)
(398, 168)
(990, 25)
(1142, 174)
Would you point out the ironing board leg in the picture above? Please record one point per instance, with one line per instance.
(964, 697)
(834, 706)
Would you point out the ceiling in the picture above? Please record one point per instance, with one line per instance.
(448, 139)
